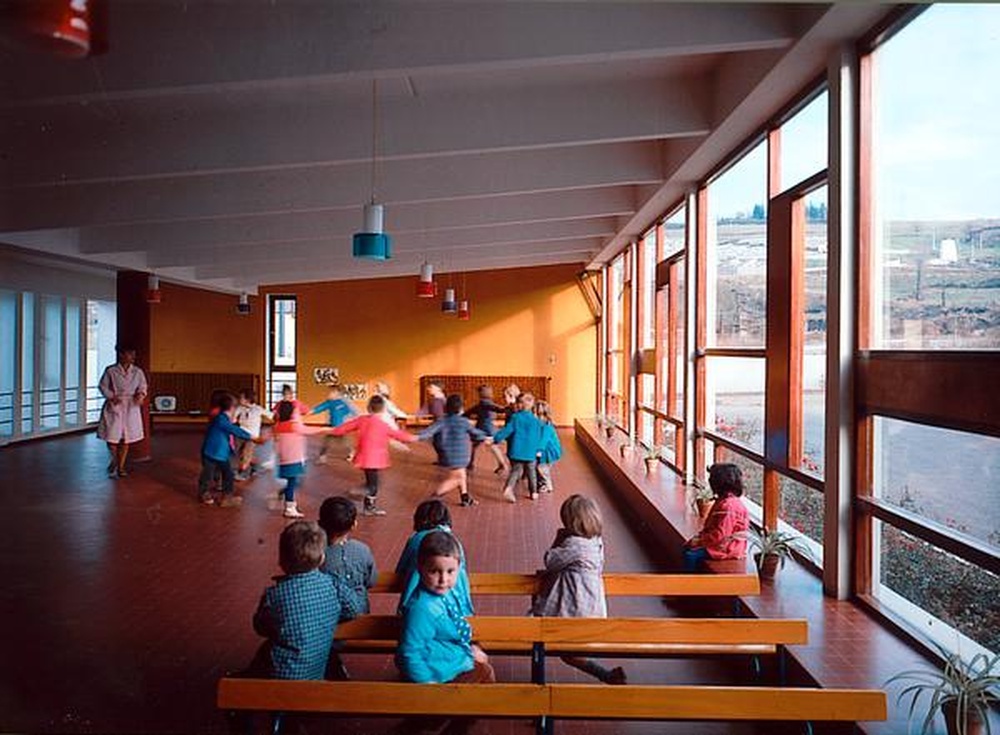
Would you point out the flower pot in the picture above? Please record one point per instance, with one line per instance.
(651, 464)
(767, 567)
(609, 431)
(973, 722)
(704, 508)
(624, 450)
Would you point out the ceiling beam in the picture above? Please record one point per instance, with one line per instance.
(427, 217)
(245, 131)
(311, 187)
(445, 244)
(161, 47)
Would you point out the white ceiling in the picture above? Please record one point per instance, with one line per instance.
(228, 143)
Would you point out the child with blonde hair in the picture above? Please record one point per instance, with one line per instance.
(523, 434)
(573, 582)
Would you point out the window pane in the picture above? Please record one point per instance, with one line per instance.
(673, 233)
(814, 335)
(804, 143)
(734, 394)
(51, 375)
(737, 253)
(8, 364)
(950, 477)
(936, 147)
(72, 361)
(935, 589)
(27, 362)
(102, 331)
(680, 317)
(668, 440)
(802, 508)
(663, 299)
(647, 390)
(753, 473)
(284, 333)
(647, 291)
(646, 424)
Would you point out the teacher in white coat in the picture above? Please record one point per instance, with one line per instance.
(124, 388)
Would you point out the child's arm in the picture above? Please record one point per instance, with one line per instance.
(431, 431)
(403, 436)
(506, 431)
(263, 621)
(371, 574)
(320, 408)
(719, 526)
(347, 427)
(478, 434)
(418, 628)
(238, 432)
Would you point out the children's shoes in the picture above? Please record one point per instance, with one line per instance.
(292, 511)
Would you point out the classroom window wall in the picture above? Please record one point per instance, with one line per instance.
(282, 314)
(47, 344)
(929, 327)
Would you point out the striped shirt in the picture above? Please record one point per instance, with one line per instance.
(453, 439)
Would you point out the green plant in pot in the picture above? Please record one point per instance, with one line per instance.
(962, 691)
(609, 426)
(704, 499)
(651, 456)
(600, 419)
(773, 549)
(627, 447)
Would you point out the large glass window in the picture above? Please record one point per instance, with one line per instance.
(804, 142)
(281, 354)
(8, 361)
(737, 253)
(71, 408)
(734, 396)
(809, 447)
(50, 393)
(102, 330)
(28, 401)
(949, 477)
(936, 214)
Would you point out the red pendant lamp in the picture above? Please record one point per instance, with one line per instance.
(426, 288)
(463, 305)
(153, 294)
(62, 27)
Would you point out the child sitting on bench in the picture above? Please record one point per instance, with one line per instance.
(435, 644)
(431, 515)
(573, 582)
(298, 614)
(719, 537)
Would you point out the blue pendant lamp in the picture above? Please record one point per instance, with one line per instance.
(372, 242)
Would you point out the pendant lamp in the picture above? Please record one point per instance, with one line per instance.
(449, 305)
(243, 307)
(153, 295)
(62, 27)
(372, 242)
(426, 288)
(463, 310)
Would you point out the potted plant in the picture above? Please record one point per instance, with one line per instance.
(704, 499)
(962, 691)
(609, 426)
(773, 549)
(652, 457)
(626, 447)
(600, 419)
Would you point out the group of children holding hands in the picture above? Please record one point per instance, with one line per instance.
(235, 427)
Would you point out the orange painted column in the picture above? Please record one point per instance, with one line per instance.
(134, 330)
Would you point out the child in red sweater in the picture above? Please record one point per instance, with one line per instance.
(718, 539)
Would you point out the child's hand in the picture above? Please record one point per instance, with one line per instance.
(479, 655)
(488, 441)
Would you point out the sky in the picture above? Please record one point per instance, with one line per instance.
(937, 124)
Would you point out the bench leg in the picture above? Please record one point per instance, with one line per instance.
(755, 667)
(782, 666)
(808, 729)
(277, 720)
(543, 725)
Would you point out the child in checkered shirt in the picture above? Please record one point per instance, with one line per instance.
(298, 614)
(453, 436)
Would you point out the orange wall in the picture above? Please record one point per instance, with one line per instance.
(193, 330)
(525, 321)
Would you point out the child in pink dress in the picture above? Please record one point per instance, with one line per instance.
(372, 452)
(290, 451)
(720, 537)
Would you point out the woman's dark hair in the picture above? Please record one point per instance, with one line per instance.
(453, 404)
(375, 404)
(431, 514)
(285, 410)
(725, 479)
(226, 402)
(438, 543)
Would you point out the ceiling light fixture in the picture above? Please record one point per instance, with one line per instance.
(426, 288)
(372, 242)
(243, 307)
(153, 294)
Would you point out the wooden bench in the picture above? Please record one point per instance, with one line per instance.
(615, 585)
(546, 702)
(618, 637)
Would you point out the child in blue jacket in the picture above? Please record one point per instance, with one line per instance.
(430, 516)
(550, 450)
(523, 434)
(435, 644)
(215, 451)
(339, 410)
